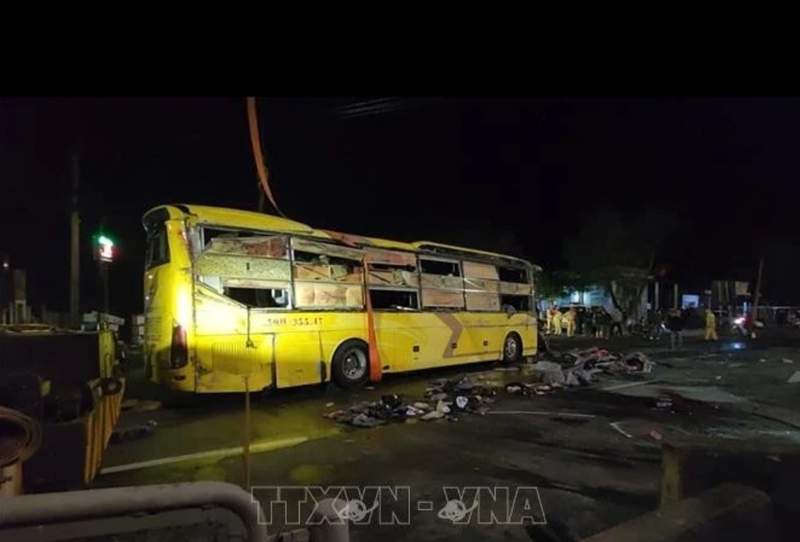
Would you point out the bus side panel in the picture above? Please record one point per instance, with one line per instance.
(224, 351)
(427, 339)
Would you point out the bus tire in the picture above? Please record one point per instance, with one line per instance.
(512, 348)
(350, 367)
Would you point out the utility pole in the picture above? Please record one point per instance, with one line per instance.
(656, 292)
(757, 298)
(75, 250)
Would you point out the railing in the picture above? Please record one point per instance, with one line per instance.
(78, 515)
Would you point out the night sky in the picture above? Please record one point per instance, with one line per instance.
(478, 172)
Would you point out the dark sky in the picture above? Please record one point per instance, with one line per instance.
(461, 170)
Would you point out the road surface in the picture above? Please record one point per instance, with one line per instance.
(588, 473)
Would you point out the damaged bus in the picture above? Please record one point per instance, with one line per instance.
(238, 300)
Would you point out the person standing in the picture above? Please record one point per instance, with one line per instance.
(569, 318)
(675, 326)
(616, 322)
(711, 326)
(549, 327)
(557, 322)
(580, 321)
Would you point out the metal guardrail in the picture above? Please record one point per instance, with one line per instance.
(78, 515)
(54, 508)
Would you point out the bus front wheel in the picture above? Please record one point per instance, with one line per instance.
(512, 348)
(350, 367)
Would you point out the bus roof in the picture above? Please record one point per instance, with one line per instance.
(238, 218)
(431, 246)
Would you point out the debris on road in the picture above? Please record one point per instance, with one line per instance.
(449, 398)
(656, 435)
(787, 360)
(134, 433)
(444, 399)
(579, 367)
(795, 378)
(620, 430)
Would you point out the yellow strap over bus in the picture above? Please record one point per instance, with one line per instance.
(255, 139)
(375, 365)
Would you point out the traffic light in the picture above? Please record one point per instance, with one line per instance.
(105, 248)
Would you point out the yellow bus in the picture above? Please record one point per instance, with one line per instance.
(232, 293)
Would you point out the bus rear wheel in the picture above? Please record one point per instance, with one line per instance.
(350, 368)
(512, 348)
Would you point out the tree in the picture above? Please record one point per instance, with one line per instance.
(611, 248)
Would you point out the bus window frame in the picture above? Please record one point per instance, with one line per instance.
(157, 230)
(202, 246)
(443, 259)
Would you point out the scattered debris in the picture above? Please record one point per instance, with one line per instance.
(664, 403)
(762, 360)
(134, 433)
(579, 367)
(521, 388)
(444, 398)
(795, 378)
(656, 435)
(787, 360)
(362, 420)
(551, 372)
(736, 365)
(329, 404)
(450, 398)
(620, 430)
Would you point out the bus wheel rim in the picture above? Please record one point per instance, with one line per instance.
(354, 365)
(511, 348)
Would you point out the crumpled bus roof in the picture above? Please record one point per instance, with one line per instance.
(238, 218)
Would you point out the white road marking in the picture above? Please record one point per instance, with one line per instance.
(544, 413)
(223, 452)
(619, 429)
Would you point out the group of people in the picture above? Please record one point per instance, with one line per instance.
(600, 323)
(582, 321)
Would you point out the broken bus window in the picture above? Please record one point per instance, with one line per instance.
(512, 274)
(260, 298)
(520, 303)
(393, 299)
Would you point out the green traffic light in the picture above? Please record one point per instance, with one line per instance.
(103, 240)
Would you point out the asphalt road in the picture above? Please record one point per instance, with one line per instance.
(588, 474)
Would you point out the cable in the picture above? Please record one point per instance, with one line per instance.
(263, 173)
(20, 437)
